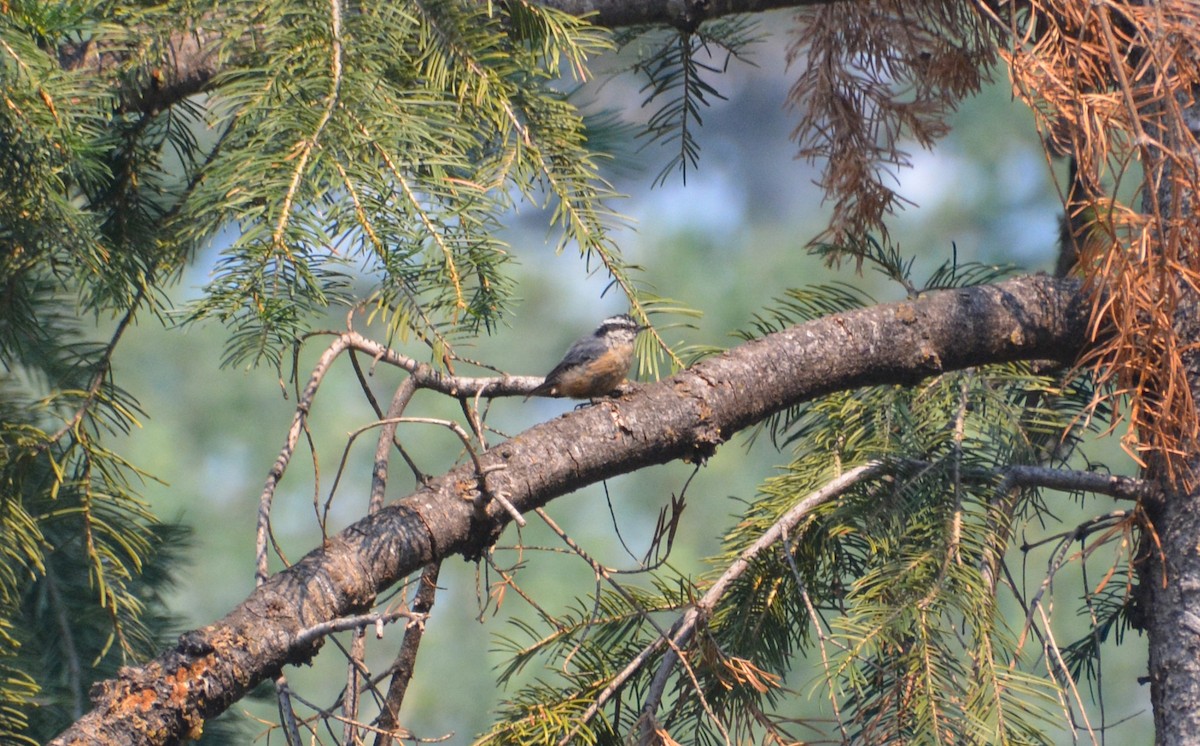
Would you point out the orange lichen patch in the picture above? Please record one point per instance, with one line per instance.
(183, 678)
(142, 700)
(467, 489)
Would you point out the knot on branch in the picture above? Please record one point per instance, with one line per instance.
(687, 15)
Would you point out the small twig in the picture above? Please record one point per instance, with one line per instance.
(325, 714)
(350, 699)
(665, 527)
(1054, 653)
(471, 412)
(788, 543)
(423, 377)
(1082, 529)
(1057, 560)
(664, 636)
(303, 405)
(480, 470)
(510, 581)
(1066, 480)
(654, 693)
(428, 378)
(1113, 485)
(360, 621)
(287, 716)
(420, 476)
(406, 658)
(316, 467)
(1094, 624)
(462, 434)
(387, 436)
(472, 415)
(351, 437)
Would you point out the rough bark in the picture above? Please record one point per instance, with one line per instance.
(1169, 597)
(685, 14)
(187, 62)
(1169, 594)
(684, 417)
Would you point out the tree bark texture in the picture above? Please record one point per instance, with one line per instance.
(1169, 598)
(1170, 573)
(684, 417)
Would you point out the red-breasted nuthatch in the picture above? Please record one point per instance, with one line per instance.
(596, 364)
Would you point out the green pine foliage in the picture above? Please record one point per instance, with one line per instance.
(679, 67)
(340, 144)
(389, 139)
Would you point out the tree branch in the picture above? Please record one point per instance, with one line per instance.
(685, 14)
(189, 60)
(187, 63)
(684, 417)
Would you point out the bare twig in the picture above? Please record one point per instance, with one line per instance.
(428, 378)
(480, 470)
(510, 581)
(379, 476)
(387, 437)
(1071, 480)
(287, 716)
(360, 621)
(821, 638)
(664, 636)
(1054, 660)
(356, 667)
(422, 376)
(406, 658)
(303, 406)
(420, 476)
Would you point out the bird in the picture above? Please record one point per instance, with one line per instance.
(596, 364)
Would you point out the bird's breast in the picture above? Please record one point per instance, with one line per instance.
(597, 377)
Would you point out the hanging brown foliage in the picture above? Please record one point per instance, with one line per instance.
(872, 74)
(1112, 85)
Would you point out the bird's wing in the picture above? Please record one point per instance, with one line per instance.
(580, 352)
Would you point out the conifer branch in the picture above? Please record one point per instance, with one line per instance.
(682, 631)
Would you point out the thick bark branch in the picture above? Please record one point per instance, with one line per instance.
(684, 417)
(685, 14)
(189, 60)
